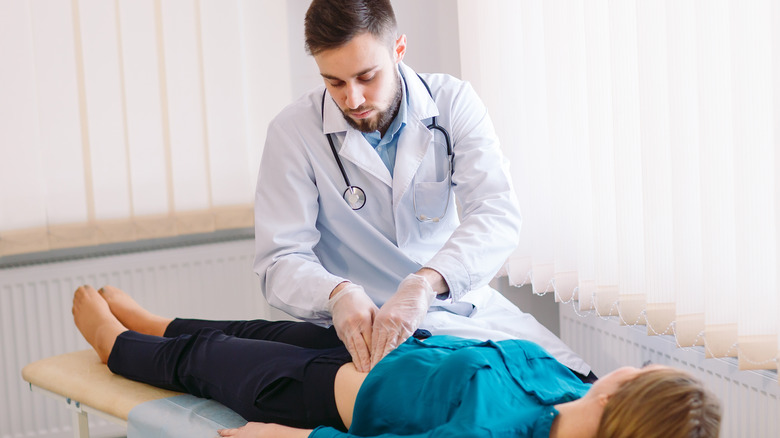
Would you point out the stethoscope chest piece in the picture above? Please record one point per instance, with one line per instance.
(355, 197)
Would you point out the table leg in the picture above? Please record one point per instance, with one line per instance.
(80, 424)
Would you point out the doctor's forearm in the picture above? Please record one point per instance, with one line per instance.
(435, 279)
(437, 282)
(338, 288)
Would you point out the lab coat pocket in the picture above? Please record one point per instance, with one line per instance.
(433, 206)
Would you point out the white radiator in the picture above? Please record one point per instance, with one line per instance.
(205, 281)
(750, 399)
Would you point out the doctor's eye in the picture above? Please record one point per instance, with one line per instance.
(367, 78)
(336, 83)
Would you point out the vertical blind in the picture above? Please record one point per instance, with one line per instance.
(134, 119)
(644, 138)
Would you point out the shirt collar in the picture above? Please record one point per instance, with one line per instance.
(399, 121)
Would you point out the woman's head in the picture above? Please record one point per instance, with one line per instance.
(659, 402)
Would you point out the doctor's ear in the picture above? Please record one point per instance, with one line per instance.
(399, 49)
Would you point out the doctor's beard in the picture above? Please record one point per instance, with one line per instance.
(383, 119)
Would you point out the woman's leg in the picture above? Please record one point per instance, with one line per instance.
(261, 380)
(136, 318)
(300, 334)
(95, 321)
(131, 314)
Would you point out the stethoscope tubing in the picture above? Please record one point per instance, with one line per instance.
(355, 196)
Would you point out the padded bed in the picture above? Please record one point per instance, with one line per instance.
(86, 386)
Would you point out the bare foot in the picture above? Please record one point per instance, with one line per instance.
(131, 314)
(95, 321)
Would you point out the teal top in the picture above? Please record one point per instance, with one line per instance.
(453, 387)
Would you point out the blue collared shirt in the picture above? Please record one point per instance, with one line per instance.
(387, 145)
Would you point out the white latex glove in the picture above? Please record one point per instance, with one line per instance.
(400, 316)
(353, 316)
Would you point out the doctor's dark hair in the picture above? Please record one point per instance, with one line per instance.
(330, 24)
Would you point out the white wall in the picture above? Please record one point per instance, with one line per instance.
(542, 307)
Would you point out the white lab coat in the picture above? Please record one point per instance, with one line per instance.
(308, 239)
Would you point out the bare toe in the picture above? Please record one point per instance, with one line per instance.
(131, 314)
(95, 321)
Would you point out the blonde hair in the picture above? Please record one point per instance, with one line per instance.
(661, 403)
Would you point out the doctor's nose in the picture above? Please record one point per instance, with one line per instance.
(353, 96)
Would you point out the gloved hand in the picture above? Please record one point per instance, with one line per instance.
(400, 316)
(353, 316)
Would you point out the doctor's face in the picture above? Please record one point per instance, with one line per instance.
(362, 77)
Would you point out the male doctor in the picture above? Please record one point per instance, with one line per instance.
(355, 215)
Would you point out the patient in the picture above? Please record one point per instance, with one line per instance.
(288, 378)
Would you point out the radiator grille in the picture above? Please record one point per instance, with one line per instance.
(750, 399)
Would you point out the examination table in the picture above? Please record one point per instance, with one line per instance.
(86, 386)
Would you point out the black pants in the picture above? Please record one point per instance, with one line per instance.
(275, 372)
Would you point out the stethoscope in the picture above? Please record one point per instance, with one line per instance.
(356, 197)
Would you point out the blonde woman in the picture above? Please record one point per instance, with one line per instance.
(296, 380)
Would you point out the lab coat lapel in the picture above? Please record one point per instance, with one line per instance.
(358, 151)
(416, 138)
(414, 142)
(353, 146)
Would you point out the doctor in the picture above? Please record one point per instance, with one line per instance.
(356, 222)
